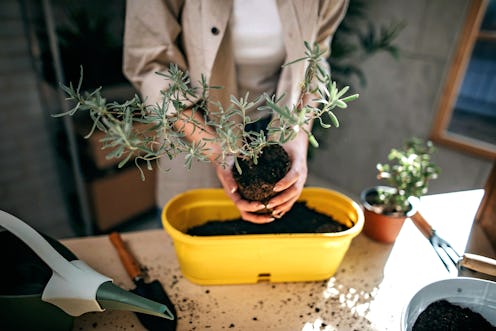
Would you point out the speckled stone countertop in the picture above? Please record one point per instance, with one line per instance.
(368, 292)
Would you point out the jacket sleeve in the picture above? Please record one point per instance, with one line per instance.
(331, 13)
(152, 31)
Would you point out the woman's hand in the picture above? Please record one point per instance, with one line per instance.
(291, 185)
(204, 135)
(247, 208)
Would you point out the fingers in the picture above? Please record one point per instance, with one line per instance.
(288, 194)
(247, 209)
(287, 181)
(278, 214)
(245, 205)
(283, 208)
(292, 185)
(289, 189)
(257, 218)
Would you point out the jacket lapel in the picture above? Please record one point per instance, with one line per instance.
(291, 28)
(298, 20)
(214, 19)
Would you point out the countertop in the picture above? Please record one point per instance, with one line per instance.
(368, 292)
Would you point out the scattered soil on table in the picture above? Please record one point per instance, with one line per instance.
(442, 315)
(300, 219)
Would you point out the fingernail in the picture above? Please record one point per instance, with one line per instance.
(276, 188)
(260, 206)
(233, 189)
(268, 206)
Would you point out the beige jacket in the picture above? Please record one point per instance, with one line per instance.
(195, 35)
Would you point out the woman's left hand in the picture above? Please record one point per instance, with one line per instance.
(247, 209)
(291, 185)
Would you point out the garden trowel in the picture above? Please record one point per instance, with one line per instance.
(152, 290)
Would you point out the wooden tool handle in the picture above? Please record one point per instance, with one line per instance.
(479, 263)
(130, 264)
(422, 224)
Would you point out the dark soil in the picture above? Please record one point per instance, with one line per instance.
(378, 206)
(256, 182)
(444, 316)
(300, 219)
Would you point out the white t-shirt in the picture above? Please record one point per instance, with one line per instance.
(258, 43)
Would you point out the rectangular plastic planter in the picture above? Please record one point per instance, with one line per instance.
(237, 259)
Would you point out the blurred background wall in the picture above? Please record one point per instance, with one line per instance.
(400, 100)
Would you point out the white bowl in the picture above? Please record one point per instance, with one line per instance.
(479, 295)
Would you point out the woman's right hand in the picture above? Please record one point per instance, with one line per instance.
(246, 208)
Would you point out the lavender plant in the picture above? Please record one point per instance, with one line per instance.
(129, 141)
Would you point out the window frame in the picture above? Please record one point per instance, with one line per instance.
(469, 34)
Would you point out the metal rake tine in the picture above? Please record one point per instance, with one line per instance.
(441, 245)
(446, 245)
(441, 258)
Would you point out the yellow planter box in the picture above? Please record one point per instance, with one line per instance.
(237, 259)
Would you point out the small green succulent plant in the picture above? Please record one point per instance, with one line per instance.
(409, 172)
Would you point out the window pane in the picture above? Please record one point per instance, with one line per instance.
(475, 109)
(489, 21)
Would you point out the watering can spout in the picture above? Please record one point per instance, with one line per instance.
(75, 287)
(111, 296)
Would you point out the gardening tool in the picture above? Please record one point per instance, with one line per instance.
(55, 288)
(451, 259)
(152, 290)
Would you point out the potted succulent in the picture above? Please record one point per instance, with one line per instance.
(407, 177)
(246, 151)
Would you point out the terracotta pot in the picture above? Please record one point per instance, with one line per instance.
(380, 226)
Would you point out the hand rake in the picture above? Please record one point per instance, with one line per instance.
(451, 259)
